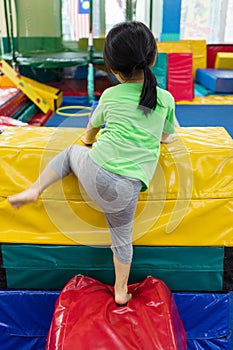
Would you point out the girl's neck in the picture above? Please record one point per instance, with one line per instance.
(137, 78)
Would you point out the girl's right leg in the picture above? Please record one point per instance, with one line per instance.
(47, 177)
(57, 168)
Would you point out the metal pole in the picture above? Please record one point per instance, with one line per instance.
(90, 78)
(90, 38)
(102, 18)
(7, 29)
(129, 10)
(151, 14)
(12, 33)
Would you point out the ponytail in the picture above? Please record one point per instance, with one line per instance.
(148, 97)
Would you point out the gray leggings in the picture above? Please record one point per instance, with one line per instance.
(116, 195)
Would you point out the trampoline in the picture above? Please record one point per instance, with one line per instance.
(39, 42)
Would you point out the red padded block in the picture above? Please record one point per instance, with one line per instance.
(40, 118)
(10, 104)
(180, 76)
(212, 51)
(86, 317)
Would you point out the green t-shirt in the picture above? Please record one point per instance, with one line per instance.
(129, 144)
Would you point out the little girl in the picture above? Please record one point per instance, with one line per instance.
(138, 115)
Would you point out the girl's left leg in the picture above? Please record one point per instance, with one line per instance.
(120, 225)
(122, 272)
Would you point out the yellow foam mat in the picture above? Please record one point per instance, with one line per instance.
(189, 202)
(224, 60)
(209, 100)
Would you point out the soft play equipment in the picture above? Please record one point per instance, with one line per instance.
(224, 60)
(180, 76)
(206, 115)
(7, 94)
(5, 122)
(12, 100)
(192, 196)
(160, 70)
(199, 54)
(207, 320)
(44, 97)
(217, 80)
(213, 49)
(87, 317)
(34, 266)
(16, 78)
(40, 118)
(25, 318)
(196, 47)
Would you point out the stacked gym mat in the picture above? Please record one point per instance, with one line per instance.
(190, 187)
(177, 64)
(182, 225)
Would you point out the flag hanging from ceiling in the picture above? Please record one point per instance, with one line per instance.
(83, 18)
(84, 7)
(79, 18)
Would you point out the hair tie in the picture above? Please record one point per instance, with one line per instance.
(141, 65)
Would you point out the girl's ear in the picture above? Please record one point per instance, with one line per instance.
(154, 61)
(114, 72)
(118, 76)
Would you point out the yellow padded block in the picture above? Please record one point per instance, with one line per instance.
(224, 60)
(174, 46)
(189, 202)
(52, 96)
(198, 48)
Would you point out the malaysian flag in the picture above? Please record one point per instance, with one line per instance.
(79, 18)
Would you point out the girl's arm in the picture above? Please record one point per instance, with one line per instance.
(168, 138)
(90, 135)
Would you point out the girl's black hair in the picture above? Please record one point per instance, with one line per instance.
(131, 46)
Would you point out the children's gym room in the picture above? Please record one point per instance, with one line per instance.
(116, 175)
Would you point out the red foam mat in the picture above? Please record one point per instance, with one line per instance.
(86, 317)
(180, 76)
(213, 49)
(40, 118)
(11, 100)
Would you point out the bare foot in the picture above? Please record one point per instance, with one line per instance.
(30, 195)
(122, 298)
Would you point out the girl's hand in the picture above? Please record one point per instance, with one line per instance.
(168, 138)
(87, 142)
(89, 137)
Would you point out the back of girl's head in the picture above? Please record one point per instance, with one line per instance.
(130, 46)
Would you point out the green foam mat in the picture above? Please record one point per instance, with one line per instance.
(160, 70)
(51, 266)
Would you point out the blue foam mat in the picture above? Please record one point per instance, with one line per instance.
(187, 115)
(25, 318)
(206, 115)
(72, 104)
